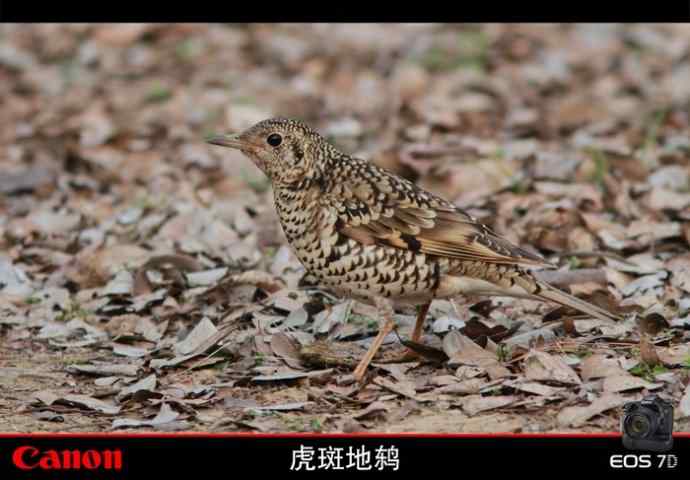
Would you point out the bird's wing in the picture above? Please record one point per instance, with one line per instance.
(376, 207)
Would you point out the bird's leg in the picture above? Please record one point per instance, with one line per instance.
(419, 324)
(385, 311)
(411, 355)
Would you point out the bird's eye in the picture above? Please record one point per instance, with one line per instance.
(274, 139)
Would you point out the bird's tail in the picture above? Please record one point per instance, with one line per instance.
(545, 291)
(523, 284)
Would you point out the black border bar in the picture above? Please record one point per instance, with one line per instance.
(343, 11)
(229, 454)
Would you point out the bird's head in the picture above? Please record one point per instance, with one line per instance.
(285, 150)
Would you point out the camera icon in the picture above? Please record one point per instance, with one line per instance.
(648, 425)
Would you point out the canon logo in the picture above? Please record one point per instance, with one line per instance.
(28, 458)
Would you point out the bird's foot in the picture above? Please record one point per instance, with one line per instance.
(409, 356)
(399, 356)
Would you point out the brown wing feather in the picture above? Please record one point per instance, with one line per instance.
(457, 235)
(391, 211)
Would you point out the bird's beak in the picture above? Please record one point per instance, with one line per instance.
(232, 141)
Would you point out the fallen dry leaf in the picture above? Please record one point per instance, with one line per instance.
(106, 369)
(648, 351)
(542, 366)
(684, 405)
(165, 415)
(578, 416)
(600, 366)
(79, 401)
(463, 351)
(625, 382)
(475, 404)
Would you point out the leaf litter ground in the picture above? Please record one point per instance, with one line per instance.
(145, 283)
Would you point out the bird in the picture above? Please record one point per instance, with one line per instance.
(369, 235)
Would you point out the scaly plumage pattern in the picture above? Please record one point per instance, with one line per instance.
(369, 234)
